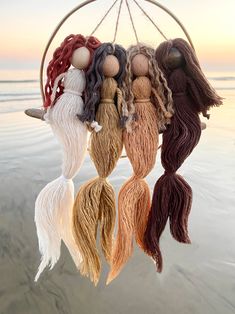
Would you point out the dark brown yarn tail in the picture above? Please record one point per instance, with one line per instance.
(172, 198)
(179, 205)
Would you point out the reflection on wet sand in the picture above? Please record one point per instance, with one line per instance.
(197, 278)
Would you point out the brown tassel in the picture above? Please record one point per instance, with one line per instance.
(134, 197)
(172, 196)
(148, 103)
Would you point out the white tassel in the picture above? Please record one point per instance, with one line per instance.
(54, 204)
(95, 125)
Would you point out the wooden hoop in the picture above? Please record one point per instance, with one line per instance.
(83, 4)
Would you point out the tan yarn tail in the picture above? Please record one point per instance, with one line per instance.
(107, 215)
(85, 222)
(95, 202)
(133, 210)
(142, 209)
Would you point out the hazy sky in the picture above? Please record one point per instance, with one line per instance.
(27, 24)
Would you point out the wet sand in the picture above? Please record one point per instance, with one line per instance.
(197, 278)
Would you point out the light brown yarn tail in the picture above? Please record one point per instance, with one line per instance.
(95, 202)
(142, 209)
(85, 222)
(107, 215)
(133, 209)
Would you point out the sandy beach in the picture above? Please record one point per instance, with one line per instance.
(197, 278)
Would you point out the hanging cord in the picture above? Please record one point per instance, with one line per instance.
(132, 21)
(83, 4)
(151, 20)
(117, 22)
(101, 21)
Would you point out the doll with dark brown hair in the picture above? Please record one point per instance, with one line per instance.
(148, 107)
(192, 95)
(95, 201)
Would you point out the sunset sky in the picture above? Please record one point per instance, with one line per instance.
(26, 26)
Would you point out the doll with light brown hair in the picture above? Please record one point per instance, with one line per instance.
(95, 201)
(147, 109)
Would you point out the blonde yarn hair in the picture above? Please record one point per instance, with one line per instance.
(159, 84)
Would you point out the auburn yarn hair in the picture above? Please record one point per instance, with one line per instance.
(61, 62)
(95, 201)
(172, 195)
(141, 146)
(95, 78)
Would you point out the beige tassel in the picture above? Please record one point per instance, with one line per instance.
(96, 199)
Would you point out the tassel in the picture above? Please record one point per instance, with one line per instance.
(141, 145)
(134, 197)
(51, 217)
(133, 209)
(172, 196)
(96, 126)
(95, 201)
(53, 208)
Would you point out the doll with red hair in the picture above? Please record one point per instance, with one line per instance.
(63, 104)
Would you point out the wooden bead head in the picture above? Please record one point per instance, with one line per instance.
(140, 65)
(111, 66)
(81, 58)
(174, 59)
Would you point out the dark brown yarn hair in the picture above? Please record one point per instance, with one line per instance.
(200, 89)
(172, 195)
(95, 77)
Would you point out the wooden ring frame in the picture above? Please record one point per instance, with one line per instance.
(83, 4)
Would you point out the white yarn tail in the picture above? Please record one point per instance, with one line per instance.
(67, 235)
(53, 218)
(54, 205)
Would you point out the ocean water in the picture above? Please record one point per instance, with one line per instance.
(197, 278)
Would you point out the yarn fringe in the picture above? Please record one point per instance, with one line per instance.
(172, 197)
(95, 202)
(134, 206)
(53, 210)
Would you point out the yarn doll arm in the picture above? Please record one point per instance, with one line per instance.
(167, 114)
(59, 78)
(119, 101)
(122, 108)
(40, 113)
(194, 93)
(53, 96)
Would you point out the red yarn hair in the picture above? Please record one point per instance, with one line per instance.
(60, 62)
